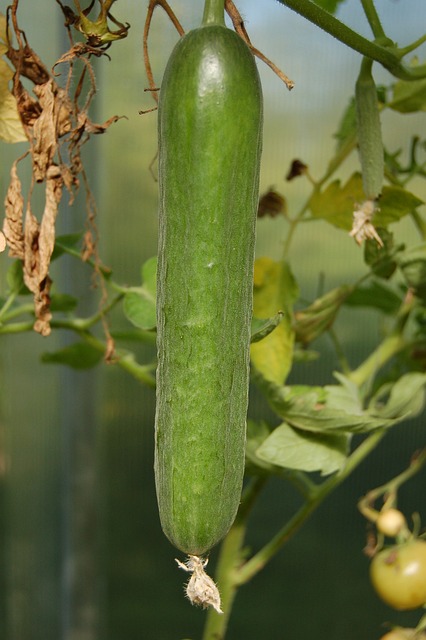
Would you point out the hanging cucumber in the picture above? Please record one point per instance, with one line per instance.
(370, 145)
(371, 155)
(210, 122)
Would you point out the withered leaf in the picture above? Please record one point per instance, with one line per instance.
(39, 244)
(87, 126)
(28, 108)
(44, 131)
(12, 224)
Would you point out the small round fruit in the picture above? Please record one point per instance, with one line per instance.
(390, 522)
(398, 574)
(399, 634)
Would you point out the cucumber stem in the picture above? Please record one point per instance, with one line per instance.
(389, 58)
(214, 13)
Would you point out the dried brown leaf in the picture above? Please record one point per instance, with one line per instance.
(85, 125)
(28, 108)
(26, 61)
(44, 131)
(42, 309)
(70, 178)
(12, 224)
(39, 244)
(54, 185)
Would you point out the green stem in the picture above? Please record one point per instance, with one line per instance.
(412, 47)
(17, 327)
(7, 304)
(214, 13)
(340, 354)
(230, 558)
(15, 312)
(374, 20)
(262, 557)
(391, 487)
(389, 58)
(384, 352)
(126, 361)
(340, 156)
(387, 349)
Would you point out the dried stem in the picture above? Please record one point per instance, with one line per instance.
(148, 69)
(239, 27)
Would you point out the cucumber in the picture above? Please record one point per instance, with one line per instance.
(370, 144)
(210, 129)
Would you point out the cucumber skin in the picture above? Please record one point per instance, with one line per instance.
(369, 133)
(210, 127)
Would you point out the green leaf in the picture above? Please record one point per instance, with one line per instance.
(79, 355)
(295, 449)
(311, 322)
(140, 302)
(63, 302)
(64, 243)
(139, 308)
(336, 202)
(381, 259)
(394, 204)
(406, 397)
(275, 290)
(409, 97)
(261, 328)
(376, 296)
(323, 410)
(257, 432)
(149, 275)
(413, 267)
(15, 278)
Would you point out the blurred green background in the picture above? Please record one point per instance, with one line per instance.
(82, 555)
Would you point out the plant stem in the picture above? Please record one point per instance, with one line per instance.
(365, 504)
(384, 352)
(231, 573)
(214, 12)
(262, 557)
(388, 348)
(17, 327)
(125, 361)
(230, 558)
(374, 20)
(412, 47)
(340, 156)
(389, 58)
(7, 304)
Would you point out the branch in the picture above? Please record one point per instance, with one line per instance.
(389, 58)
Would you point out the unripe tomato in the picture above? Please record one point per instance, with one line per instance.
(398, 634)
(390, 522)
(398, 574)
